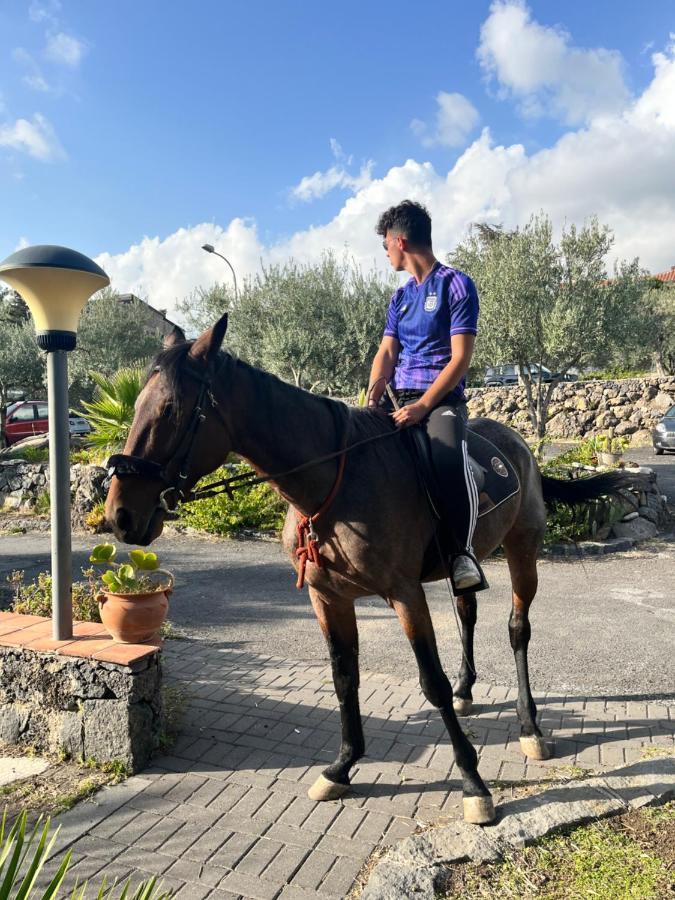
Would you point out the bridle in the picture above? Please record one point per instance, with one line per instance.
(124, 465)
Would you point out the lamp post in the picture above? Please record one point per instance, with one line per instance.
(211, 249)
(56, 282)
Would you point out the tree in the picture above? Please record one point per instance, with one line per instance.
(550, 304)
(111, 412)
(111, 335)
(316, 325)
(22, 365)
(655, 332)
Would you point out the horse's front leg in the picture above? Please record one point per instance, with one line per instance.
(338, 622)
(463, 700)
(413, 612)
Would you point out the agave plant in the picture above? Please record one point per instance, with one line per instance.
(22, 858)
(111, 412)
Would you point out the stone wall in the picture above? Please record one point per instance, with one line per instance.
(22, 483)
(82, 708)
(581, 409)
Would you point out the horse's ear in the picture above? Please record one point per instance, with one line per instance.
(175, 336)
(207, 346)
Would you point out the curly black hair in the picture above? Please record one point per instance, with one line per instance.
(409, 219)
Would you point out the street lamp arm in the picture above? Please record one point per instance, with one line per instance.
(211, 249)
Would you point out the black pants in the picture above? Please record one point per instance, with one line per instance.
(456, 489)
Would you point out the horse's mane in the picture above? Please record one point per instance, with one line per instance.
(173, 361)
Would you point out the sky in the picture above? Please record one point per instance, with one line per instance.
(138, 130)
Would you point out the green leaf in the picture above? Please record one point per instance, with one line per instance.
(143, 560)
(103, 553)
(126, 573)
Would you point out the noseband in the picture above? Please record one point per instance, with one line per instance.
(124, 465)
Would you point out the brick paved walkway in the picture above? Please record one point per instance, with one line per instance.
(226, 814)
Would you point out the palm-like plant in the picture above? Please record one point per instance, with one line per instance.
(111, 412)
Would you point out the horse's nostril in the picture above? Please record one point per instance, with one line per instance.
(123, 519)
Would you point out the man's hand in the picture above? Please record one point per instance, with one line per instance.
(410, 414)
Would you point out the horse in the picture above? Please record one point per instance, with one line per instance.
(200, 403)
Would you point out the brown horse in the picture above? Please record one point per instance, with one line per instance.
(199, 404)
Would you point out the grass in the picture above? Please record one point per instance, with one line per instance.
(614, 859)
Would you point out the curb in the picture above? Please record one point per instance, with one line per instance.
(412, 867)
(601, 548)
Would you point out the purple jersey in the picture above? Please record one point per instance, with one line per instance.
(423, 317)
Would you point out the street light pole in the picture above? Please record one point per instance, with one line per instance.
(56, 282)
(211, 249)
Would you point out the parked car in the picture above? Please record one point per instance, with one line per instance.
(29, 417)
(508, 374)
(663, 435)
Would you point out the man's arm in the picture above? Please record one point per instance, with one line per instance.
(382, 369)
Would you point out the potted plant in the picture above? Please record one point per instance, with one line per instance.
(609, 449)
(134, 599)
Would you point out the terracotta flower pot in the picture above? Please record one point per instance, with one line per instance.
(134, 618)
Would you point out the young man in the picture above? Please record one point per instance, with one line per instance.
(425, 353)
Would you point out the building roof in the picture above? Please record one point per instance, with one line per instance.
(666, 276)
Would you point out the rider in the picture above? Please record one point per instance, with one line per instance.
(425, 352)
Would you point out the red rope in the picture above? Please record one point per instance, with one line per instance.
(308, 539)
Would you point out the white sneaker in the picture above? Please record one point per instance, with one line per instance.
(465, 573)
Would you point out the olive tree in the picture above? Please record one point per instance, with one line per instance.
(316, 325)
(22, 365)
(547, 303)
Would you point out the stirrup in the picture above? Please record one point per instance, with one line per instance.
(481, 586)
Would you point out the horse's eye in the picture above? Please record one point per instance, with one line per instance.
(167, 412)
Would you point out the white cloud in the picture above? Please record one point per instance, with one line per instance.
(456, 117)
(44, 11)
(619, 167)
(312, 187)
(64, 49)
(36, 137)
(540, 67)
(34, 79)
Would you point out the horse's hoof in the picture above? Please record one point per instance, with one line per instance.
(479, 810)
(535, 747)
(462, 707)
(325, 789)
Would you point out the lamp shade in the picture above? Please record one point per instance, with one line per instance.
(55, 282)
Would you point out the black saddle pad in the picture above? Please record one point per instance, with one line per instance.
(495, 476)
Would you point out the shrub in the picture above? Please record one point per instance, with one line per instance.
(95, 518)
(31, 454)
(258, 507)
(42, 504)
(35, 598)
(22, 858)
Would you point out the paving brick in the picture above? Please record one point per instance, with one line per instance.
(136, 828)
(313, 870)
(321, 817)
(233, 850)
(207, 844)
(340, 878)
(250, 886)
(347, 822)
(291, 834)
(286, 863)
(114, 822)
(353, 848)
(135, 858)
(191, 872)
(258, 858)
(180, 840)
(159, 834)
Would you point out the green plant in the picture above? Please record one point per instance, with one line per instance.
(23, 856)
(129, 577)
(257, 507)
(95, 518)
(42, 504)
(35, 598)
(111, 412)
(31, 454)
(607, 443)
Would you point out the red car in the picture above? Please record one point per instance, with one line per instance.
(29, 417)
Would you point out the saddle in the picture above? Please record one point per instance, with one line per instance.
(496, 480)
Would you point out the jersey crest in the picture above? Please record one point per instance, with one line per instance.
(430, 303)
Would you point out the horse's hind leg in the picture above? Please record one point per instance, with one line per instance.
(463, 700)
(522, 559)
(338, 623)
(413, 614)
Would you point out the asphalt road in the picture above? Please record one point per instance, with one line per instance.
(603, 625)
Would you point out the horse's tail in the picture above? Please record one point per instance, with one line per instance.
(579, 490)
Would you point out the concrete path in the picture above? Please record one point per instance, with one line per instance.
(226, 813)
